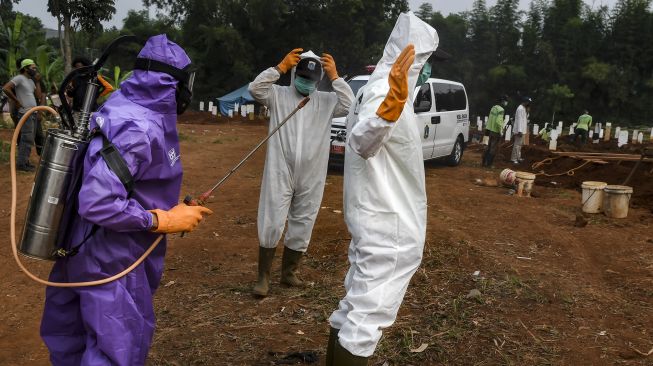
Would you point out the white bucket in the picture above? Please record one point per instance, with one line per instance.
(593, 196)
(616, 200)
(507, 177)
(525, 182)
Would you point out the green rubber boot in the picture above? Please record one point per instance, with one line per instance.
(289, 266)
(333, 338)
(265, 259)
(342, 357)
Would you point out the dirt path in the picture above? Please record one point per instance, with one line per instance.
(551, 293)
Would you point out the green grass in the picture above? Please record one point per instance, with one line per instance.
(5, 148)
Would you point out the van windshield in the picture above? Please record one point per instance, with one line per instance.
(355, 85)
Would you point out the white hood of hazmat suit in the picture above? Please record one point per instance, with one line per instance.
(384, 197)
(297, 157)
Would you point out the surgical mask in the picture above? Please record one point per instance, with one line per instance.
(304, 86)
(504, 103)
(424, 75)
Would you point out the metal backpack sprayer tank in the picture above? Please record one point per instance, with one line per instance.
(60, 168)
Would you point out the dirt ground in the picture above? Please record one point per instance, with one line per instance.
(551, 293)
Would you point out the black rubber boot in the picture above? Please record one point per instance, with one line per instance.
(333, 338)
(265, 259)
(289, 267)
(342, 357)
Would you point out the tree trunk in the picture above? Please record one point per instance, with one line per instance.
(68, 55)
(63, 54)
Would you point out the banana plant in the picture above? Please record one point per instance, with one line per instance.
(14, 41)
(119, 77)
(51, 72)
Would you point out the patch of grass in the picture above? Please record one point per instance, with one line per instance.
(5, 149)
(184, 137)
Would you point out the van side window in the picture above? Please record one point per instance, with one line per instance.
(423, 101)
(449, 97)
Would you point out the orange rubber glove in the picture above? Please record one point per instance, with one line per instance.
(181, 218)
(290, 61)
(107, 87)
(329, 65)
(393, 104)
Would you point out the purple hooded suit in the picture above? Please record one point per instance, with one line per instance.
(113, 324)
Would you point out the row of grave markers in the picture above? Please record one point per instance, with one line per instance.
(600, 133)
(245, 109)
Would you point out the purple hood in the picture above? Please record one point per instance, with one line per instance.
(151, 89)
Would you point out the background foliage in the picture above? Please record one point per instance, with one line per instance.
(564, 54)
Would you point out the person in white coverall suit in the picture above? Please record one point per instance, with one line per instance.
(297, 158)
(520, 128)
(384, 195)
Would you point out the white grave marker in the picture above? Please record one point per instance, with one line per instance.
(536, 129)
(201, 106)
(640, 137)
(553, 144)
(623, 138)
(634, 139)
(210, 107)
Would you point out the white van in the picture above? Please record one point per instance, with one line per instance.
(442, 112)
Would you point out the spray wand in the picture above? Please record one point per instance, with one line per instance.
(203, 198)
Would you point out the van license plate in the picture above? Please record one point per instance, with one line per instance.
(338, 149)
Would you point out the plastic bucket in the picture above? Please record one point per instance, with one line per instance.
(525, 182)
(507, 177)
(616, 200)
(593, 196)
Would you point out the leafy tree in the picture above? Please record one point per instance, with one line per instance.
(87, 15)
(425, 12)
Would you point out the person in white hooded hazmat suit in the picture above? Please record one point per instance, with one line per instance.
(384, 194)
(297, 157)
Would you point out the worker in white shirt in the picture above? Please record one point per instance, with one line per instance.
(520, 128)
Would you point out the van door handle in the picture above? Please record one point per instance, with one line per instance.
(435, 120)
(427, 131)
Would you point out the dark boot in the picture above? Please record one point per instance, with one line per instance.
(342, 357)
(289, 266)
(333, 338)
(265, 259)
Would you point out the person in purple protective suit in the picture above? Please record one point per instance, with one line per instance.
(113, 324)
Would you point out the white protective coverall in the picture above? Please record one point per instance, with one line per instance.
(297, 156)
(384, 198)
(519, 130)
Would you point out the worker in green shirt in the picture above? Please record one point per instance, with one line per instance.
(494, 129)
(545, 133)
(583, 127)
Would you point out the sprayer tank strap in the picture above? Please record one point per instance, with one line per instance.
(116, 163)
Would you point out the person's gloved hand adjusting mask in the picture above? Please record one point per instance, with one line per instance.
(424, 75)
(305, 86)
(185, 79)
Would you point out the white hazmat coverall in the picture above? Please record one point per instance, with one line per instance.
(384, 198)
(297, 157)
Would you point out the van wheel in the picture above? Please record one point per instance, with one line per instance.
(456, 154)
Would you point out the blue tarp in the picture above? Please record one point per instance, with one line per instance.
(240, 96)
